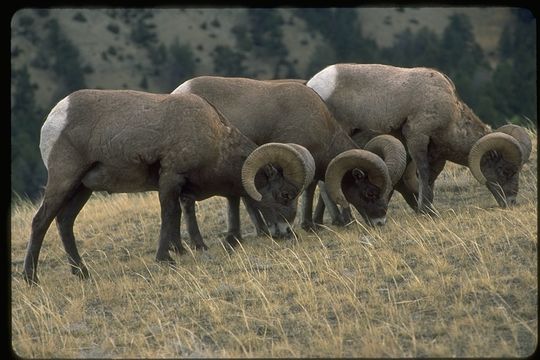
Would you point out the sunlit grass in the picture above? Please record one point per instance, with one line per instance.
(463, 284)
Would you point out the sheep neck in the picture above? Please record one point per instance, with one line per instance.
(463, 134)
(339, 143)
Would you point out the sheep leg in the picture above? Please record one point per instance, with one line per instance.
(170, 187)
(233, 221)
(436, 166)
(307, 207)
(65, 221)
(188, 205)
(335, 214)
(418, 148)
(256, 219)
(410, 196)
(60, 186)
(176, 243)
(346, 215)
(318, 215)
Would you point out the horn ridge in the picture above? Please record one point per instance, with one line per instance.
(518, 133)
(296, 161)
(501, 142)
(393, 153)
(356, 158)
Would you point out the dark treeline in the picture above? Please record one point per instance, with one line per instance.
(500, 94)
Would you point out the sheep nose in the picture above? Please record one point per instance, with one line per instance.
(284, 229)
(511, 200)
(379, 221)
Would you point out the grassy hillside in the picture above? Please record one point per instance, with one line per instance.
(107, 46)
(464, 284)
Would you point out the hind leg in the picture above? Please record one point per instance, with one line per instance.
(170, 188)
(64, 222)
(61, 184)
(176, 243)
(188, 205)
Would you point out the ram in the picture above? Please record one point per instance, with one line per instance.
(288, 111)
(421, 106)
(179, 145)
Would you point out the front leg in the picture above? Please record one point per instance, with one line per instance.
(318, 215)
(256, 218)
(410, 195)
(307, 207)
(418, 148)
(170, 187)
(188, 205)
(233, 220)
(335, 215)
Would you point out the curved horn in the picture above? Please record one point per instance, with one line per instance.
(504, 144)
(351, 159)
(309, 164)
(393, 153)
(298, 165)
(518, 133)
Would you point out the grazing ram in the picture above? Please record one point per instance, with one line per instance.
(407, 185)
(179, 145)
(421, 106)
(288, 111)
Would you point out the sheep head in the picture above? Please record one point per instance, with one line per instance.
(365, 178)
(273, 175)
(496, 159)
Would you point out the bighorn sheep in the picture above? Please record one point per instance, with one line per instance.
(179, 145)
(407, 185)
(421, 106)
(288, 111)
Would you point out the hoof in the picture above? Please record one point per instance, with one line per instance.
(165, 259)
(307, 226)
(178, 250)
(261, 232)
(232, 240)
(81, 271)
(430, 211)
(30, 277)
(201, 246)
(339, 222)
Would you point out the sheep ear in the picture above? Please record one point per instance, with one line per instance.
(493, 155)
(358, 174)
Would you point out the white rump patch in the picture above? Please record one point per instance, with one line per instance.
(324, 83)
(185, 87)
(52, 128)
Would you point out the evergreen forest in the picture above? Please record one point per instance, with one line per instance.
(499, 94)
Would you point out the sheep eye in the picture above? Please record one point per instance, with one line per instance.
(286, 195)
(508, 173)
(371, 195)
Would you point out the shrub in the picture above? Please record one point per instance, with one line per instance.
(115, 29)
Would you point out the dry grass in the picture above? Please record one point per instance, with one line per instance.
(464, 284)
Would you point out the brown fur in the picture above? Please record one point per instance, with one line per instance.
(125, 141)
(419, 104)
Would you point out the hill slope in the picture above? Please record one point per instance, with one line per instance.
(464, 284)
(106, 38)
